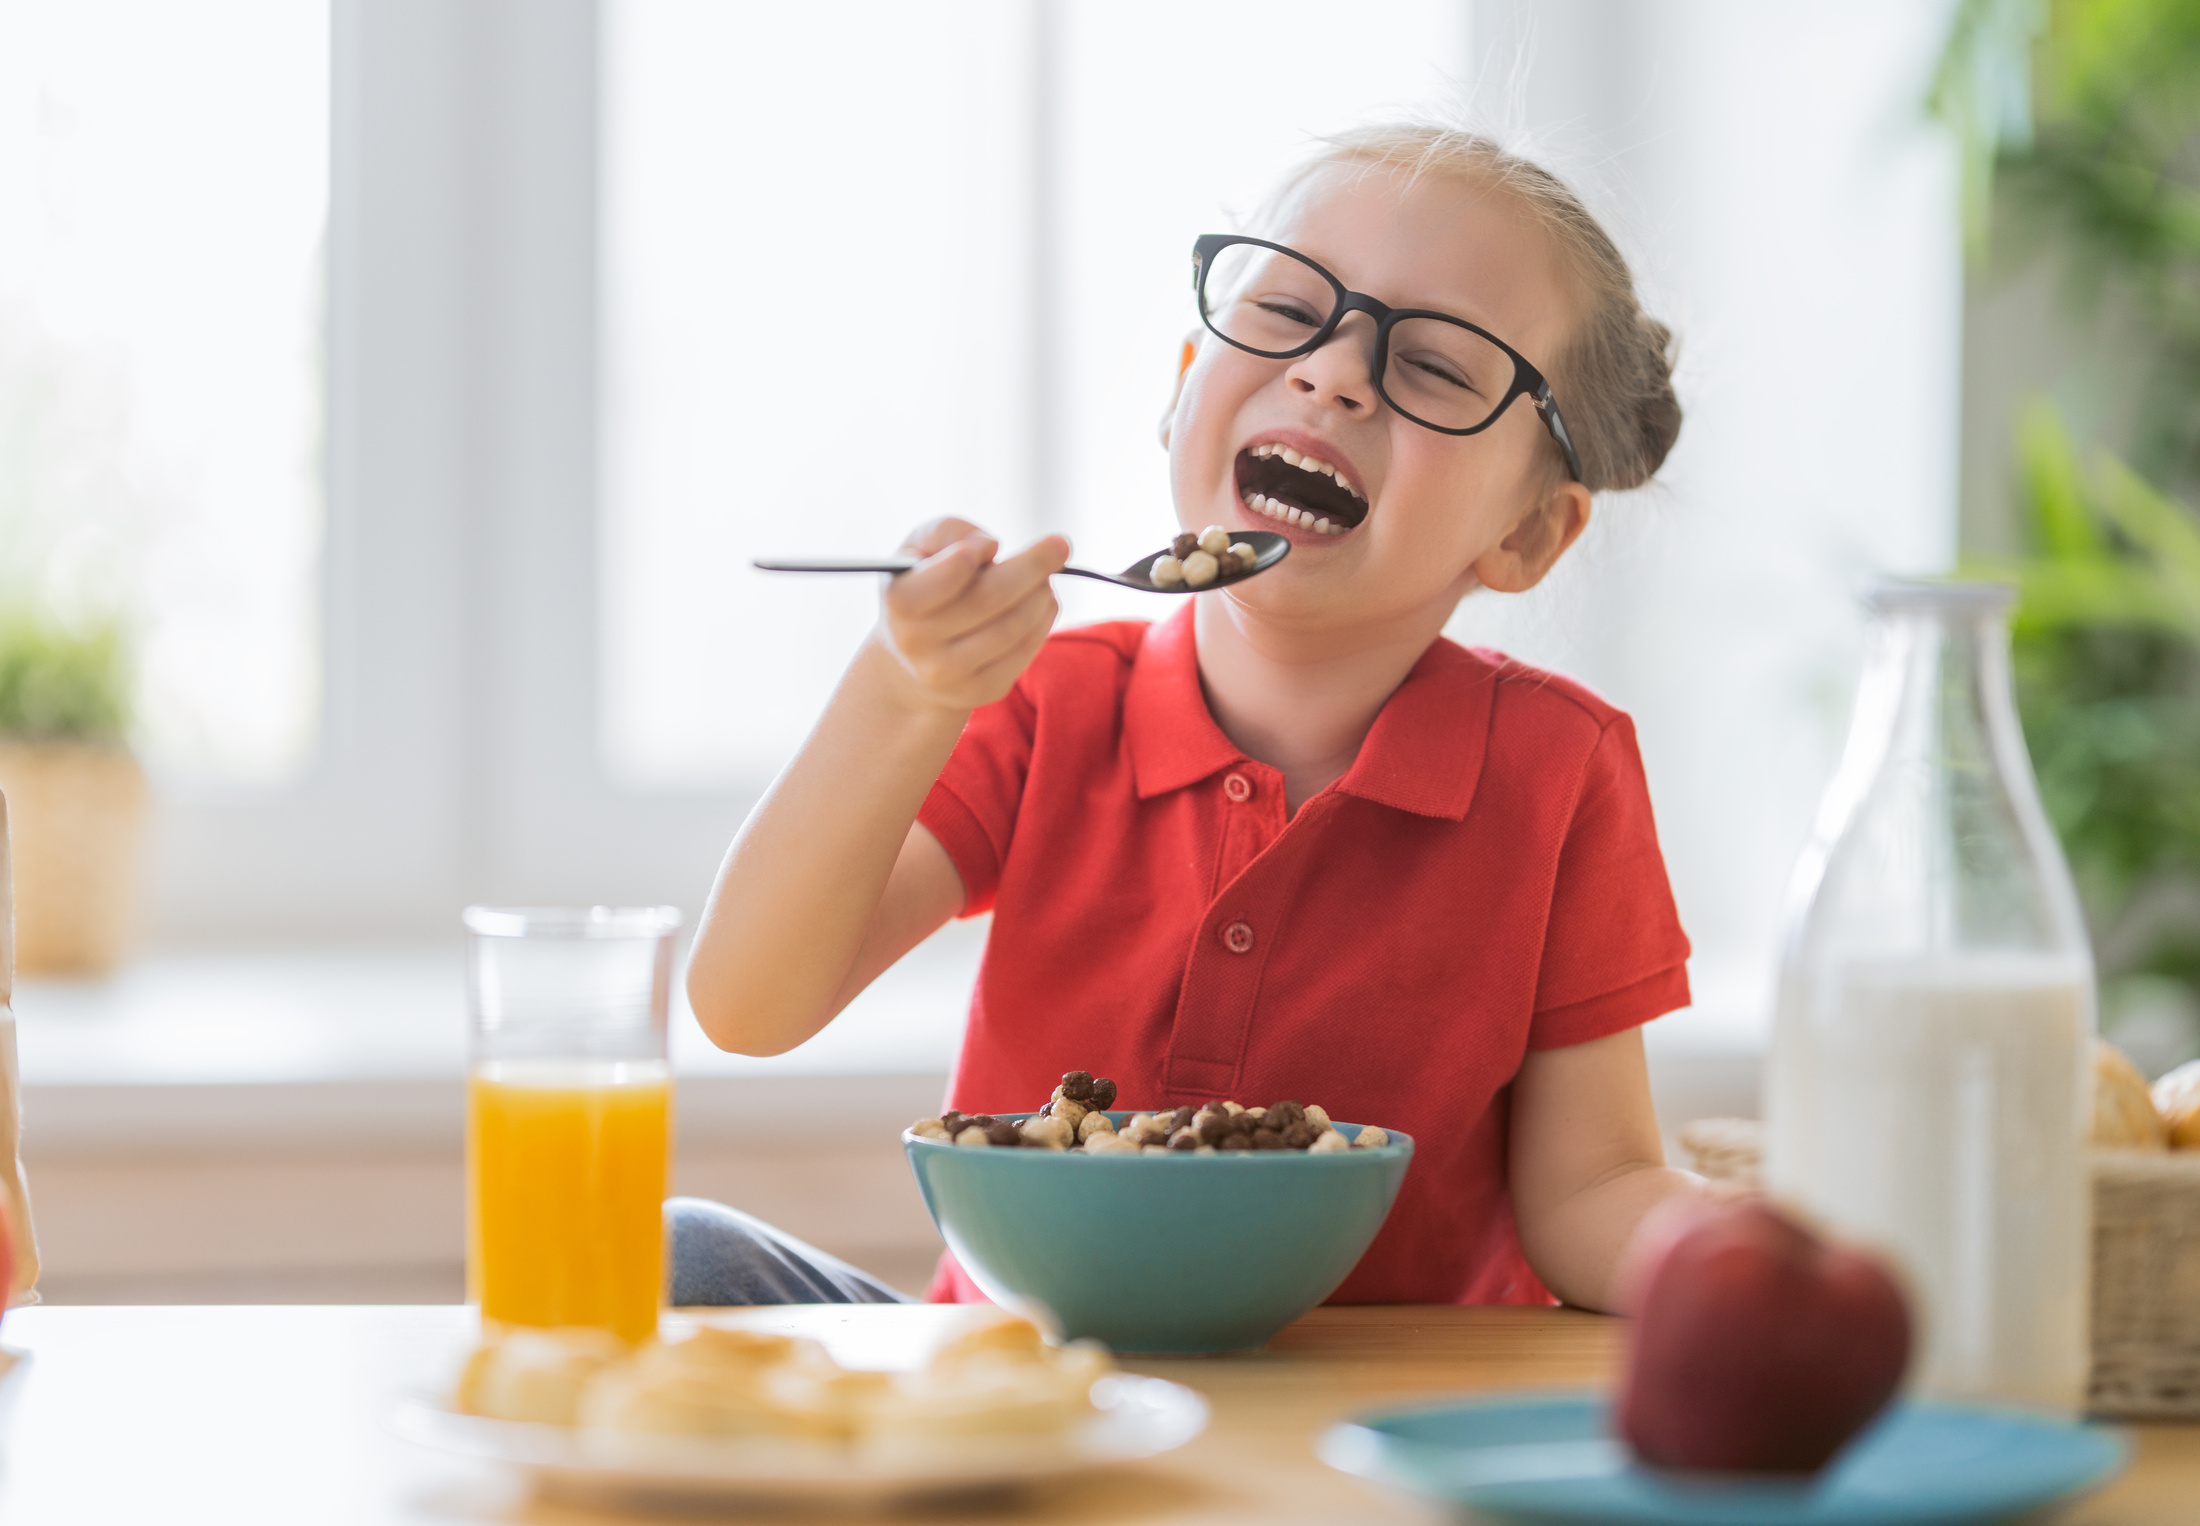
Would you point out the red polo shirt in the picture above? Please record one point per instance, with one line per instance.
(1485, 880)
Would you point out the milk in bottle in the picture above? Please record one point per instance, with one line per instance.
(1928, 1091)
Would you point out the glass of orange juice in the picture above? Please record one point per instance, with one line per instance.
(568, 1119)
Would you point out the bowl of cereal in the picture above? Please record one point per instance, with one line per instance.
(1194, 1230)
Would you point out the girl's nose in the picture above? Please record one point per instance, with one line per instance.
(1339, 371)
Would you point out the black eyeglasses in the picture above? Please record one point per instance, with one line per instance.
(1441, 372)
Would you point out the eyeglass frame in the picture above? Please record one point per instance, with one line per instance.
(1528, 381)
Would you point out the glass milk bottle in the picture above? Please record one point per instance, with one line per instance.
(1929, 1090)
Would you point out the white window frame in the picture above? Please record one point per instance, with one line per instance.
(458, 757)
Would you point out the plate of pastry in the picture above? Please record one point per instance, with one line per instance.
(735, 1411)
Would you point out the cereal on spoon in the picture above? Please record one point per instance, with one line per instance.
(1194, 561)
(1076, 1118)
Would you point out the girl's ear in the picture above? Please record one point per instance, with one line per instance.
(1183, 364)
(1536, 542)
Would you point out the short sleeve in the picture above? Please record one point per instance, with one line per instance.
(1614, 955)
(972, 808)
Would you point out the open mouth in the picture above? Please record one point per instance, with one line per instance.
(1278, 482)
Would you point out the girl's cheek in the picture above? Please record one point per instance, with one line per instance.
(1198, 421)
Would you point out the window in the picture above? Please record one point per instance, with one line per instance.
(925, 260)
(815, 331)
(621, 293)
(163, 207)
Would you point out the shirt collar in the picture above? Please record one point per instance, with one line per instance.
(1423, 755)
(1173, 739)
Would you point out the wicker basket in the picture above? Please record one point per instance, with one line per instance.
(2146, 1267)
(2146, 1284)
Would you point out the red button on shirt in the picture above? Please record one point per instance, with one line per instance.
(1238, 939)
(1238, 788)
(1485, 880)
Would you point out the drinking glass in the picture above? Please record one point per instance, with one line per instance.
(568, 1114)
(1929, 1090)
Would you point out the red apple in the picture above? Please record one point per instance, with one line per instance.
(1662, 1228)
(1757, 1347)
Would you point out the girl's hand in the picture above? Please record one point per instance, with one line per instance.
(960, 626)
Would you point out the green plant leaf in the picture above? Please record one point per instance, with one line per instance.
(2080, 576)
(2156, 523)
(2052, 484)
(58, 683)
(1982, 88)
(2106, 594)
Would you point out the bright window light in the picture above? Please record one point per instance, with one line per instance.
(163, 204)
(815, 338)
(822, 226)
(1161, 142)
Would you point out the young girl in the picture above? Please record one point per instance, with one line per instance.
(1287, 841)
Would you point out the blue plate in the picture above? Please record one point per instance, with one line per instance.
(1552, 1458)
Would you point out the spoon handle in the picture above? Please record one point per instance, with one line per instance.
(881, 564)
(835, 564)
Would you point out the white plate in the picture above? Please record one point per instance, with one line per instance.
(1138, 1418)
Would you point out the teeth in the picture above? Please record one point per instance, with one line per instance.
(1261, 503)
(1291, 457)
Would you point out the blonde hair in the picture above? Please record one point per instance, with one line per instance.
(1613, 379)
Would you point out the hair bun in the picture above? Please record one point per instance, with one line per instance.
(1657, 406)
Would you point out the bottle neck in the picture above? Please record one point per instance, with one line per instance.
(1941, 679)
(1932, 837)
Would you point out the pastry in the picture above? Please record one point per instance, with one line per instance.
(2124, 1116)
(535, 1374)
(2177, 1099)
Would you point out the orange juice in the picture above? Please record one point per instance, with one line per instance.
(566, 1182)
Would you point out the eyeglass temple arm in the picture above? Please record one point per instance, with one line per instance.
(1547, 408)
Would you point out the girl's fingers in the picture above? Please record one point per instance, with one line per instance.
(945, 668)
(1023, 623)
(962, 588)
(1008, 582)
(960, 612)
(953, 552)
(936, 535)
(994, 678)
(943, 577)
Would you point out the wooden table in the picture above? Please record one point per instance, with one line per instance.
(247, 1415)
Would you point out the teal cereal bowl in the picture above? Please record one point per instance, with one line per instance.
(1173, 1254)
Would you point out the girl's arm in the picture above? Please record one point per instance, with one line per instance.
(1587, 1163)
(830, 880)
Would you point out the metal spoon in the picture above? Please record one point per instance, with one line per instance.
(1271, 548)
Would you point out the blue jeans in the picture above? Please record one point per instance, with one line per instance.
(720, 1255)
